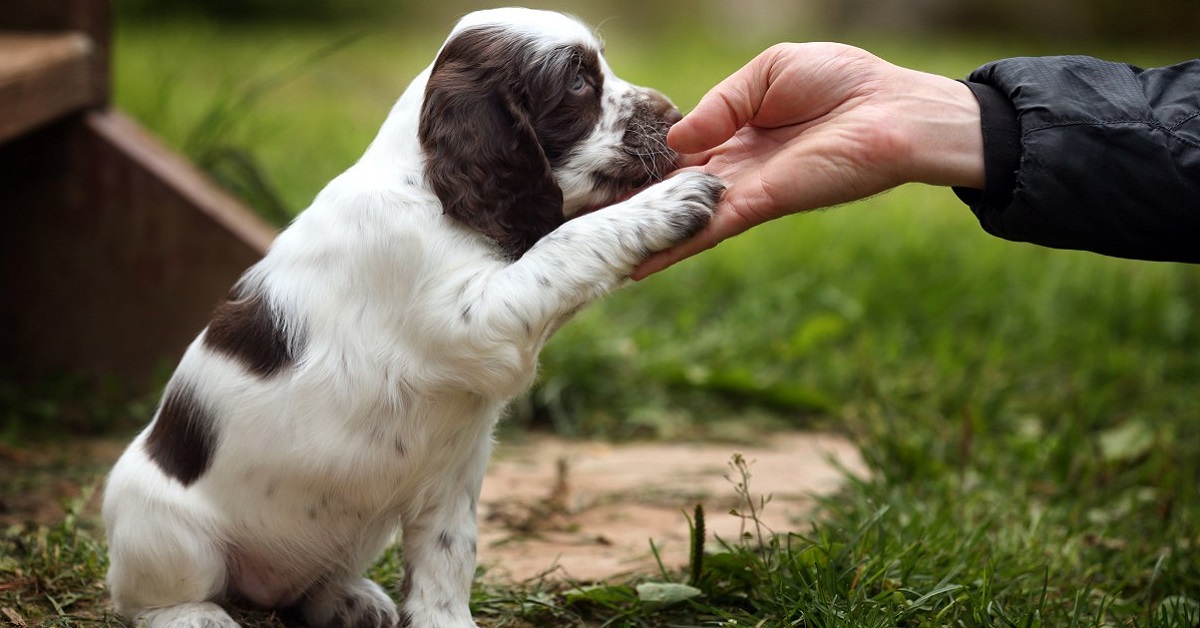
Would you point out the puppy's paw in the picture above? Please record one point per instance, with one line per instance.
(688, 200)
(418, 618)
(350, 604)
(200, 615)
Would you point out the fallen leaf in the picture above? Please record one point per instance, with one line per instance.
(665, 593)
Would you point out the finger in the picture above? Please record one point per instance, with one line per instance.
(723, 110)
(685, 160)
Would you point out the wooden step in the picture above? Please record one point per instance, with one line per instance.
(42, 78)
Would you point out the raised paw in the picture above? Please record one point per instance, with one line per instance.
(199, 615)
(350, 604)
(694, 187)
(689, 199)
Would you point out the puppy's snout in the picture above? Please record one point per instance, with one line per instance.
(661, 107)
(653, 112)
(646, 134)
(672, 115)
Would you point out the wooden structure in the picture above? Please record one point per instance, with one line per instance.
(113, 250)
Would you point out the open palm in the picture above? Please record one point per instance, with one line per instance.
(805, 126)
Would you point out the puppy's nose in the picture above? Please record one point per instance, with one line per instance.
(658, 107)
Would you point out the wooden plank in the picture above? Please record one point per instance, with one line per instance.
(42, 77)
(90, 17)
(114, 253)
(50, 15)
(183, 179)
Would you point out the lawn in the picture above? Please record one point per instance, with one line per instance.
(1030, 416)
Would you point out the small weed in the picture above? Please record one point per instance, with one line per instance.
(53, 575)
(211, 143)
(68, 404)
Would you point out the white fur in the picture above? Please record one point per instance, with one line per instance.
(415, 336)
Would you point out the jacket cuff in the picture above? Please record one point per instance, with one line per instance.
(1001, 149)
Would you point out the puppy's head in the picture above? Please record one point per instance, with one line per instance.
(523, 124)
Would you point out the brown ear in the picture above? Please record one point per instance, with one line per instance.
(482, 156)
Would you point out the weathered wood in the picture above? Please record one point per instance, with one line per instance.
(90, 17)
(42, 77)
(184, 181)
(115, 251)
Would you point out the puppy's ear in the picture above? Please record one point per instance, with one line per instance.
(482, 155)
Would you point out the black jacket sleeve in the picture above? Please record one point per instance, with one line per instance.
(1086, 154)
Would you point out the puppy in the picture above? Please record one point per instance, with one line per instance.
(348, 388)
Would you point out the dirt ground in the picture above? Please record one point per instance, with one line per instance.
(588, 511)
(566, 510)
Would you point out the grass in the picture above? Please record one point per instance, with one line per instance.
(1029, 416)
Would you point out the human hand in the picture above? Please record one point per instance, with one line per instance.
(804, 126)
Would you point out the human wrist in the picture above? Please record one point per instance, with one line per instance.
(945, 138)
(1001, 148)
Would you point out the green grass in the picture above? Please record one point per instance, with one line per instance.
(1030, 416)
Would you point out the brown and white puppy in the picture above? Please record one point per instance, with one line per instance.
(349, 387)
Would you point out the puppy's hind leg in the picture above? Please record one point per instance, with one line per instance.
(164, 573)
(201, 615)
(170, 588)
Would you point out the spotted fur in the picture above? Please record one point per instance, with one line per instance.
(349, 387)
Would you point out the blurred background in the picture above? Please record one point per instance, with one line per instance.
(1073, 19)
(897, 310)
(272, 75)
(1027, 412)
(900, 302)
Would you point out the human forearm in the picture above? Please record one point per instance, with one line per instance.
(1108, 157)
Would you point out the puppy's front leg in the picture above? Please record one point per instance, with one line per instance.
(605, 245)
(589, 256)
(439, 552)
(349, 601)
(507, 311)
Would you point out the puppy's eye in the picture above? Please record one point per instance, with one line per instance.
(580, 85)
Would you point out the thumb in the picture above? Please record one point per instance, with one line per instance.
(723, 110)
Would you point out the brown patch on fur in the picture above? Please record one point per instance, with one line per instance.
(245, 328)
(183, 439)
